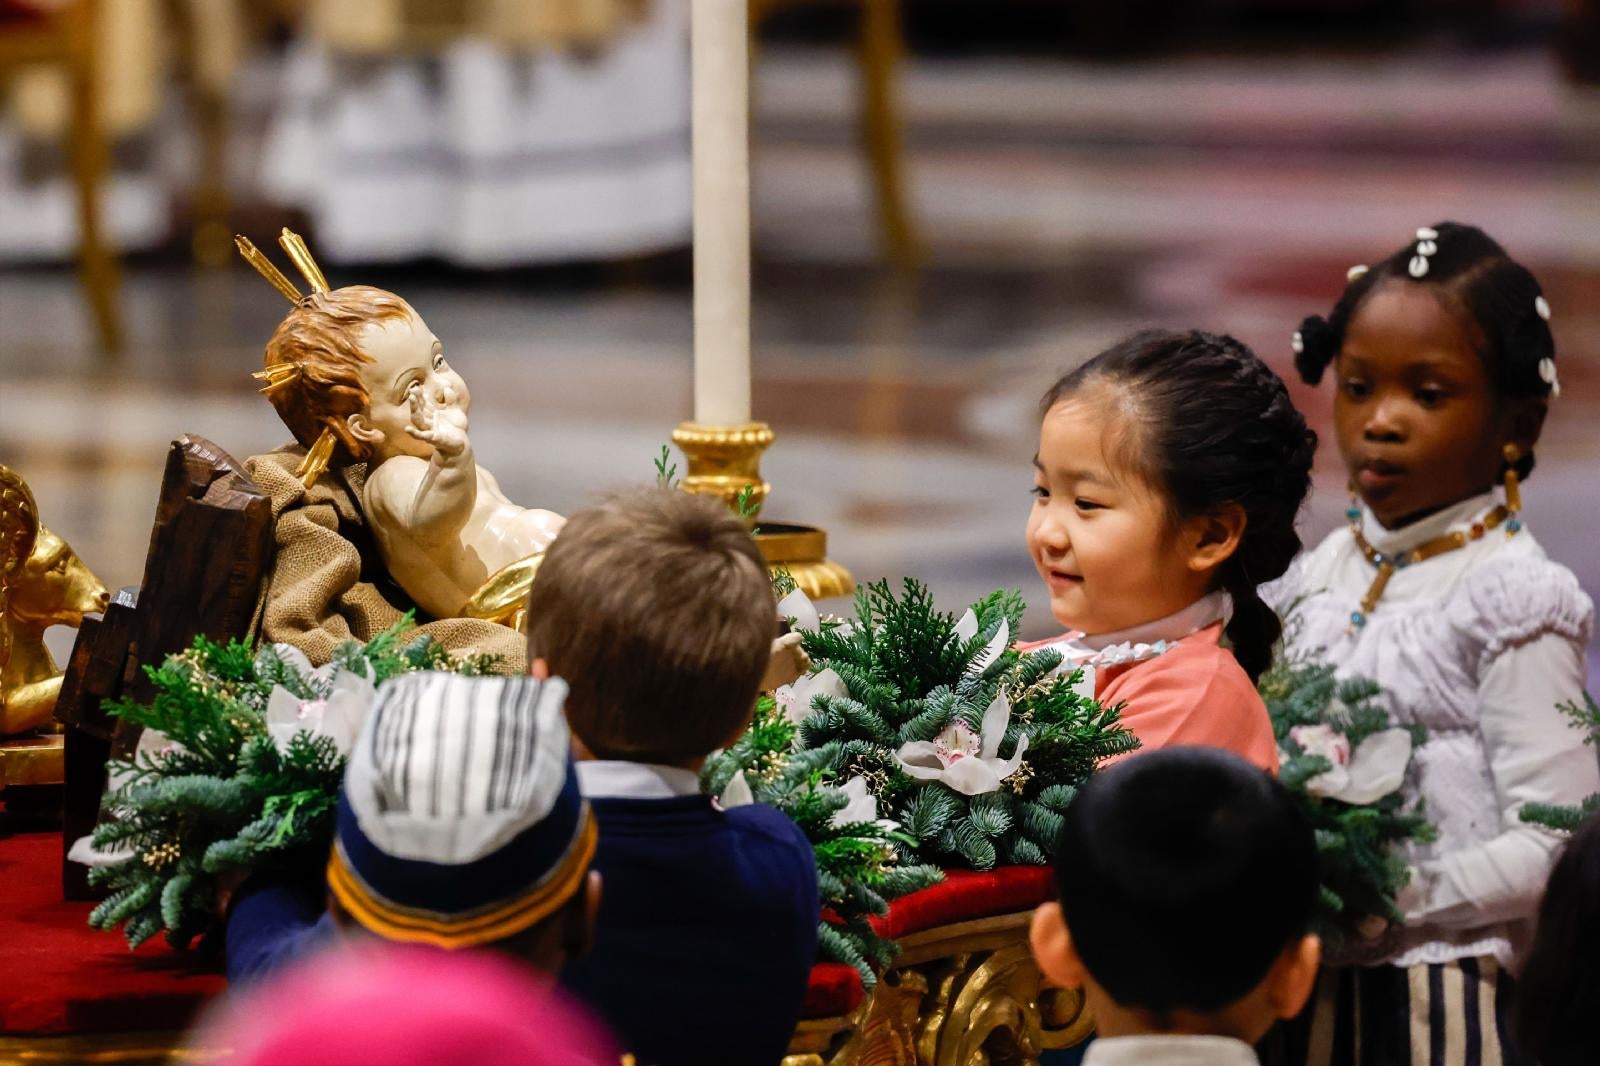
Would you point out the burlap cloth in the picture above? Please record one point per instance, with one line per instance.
(328, 583)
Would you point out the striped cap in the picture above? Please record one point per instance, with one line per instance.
(460, 822)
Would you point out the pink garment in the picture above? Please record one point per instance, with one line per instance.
(407, 1006)
(1194, 693)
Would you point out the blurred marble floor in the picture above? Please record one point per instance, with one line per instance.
(1062, 205)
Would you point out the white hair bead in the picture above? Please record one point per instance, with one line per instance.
(1355, 272)
(1541, 305)
(1547, 374)
(1297, 342)
(1419, 266)
(1426, 247)
(1427, 233)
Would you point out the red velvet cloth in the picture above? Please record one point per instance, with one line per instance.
(834, 989)
(59, 976)
(967, 894)
(963, 896)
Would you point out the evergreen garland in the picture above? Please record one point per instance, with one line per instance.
(1359, 847)
(909, 676)
(223, 798)
(1566, 819)
(859, 867)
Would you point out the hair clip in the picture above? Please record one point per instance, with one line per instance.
(1548, 375)
(1542, 306)
(1356, 272)
(1297, 343)
(1426, 246)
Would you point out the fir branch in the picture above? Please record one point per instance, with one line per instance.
(223, 796)
(666, 470)
(1361, 864)
(783, 582)
(745, 504)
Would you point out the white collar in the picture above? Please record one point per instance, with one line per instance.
(1192, 619)
(1147, 639)
(615, 779)
(1157, 1050)
(1458, 515)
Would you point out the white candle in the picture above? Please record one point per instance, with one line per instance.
(720, 59)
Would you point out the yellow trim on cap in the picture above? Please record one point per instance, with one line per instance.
(415, 926)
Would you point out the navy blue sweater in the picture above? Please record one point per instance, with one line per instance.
(707, 930)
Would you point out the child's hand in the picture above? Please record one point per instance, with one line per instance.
(788, 661)
(443, 425)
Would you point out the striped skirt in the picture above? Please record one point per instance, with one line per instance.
(1449, 1014)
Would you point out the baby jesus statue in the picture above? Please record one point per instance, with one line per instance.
(357, 377)
(362, 383)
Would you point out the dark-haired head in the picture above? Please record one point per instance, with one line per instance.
(1442, 356)
(1560, 983)
(1169, 466)
(1187, 879)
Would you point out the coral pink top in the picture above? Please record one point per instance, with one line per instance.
(1194, 693)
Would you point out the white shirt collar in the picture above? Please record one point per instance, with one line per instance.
(614, 779)
(1456, 516)
(1218, 606)
(1170, 1051)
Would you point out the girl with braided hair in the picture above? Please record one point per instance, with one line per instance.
(1444, 367)
(1169, 473)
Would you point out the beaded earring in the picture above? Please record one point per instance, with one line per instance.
(1512, 453)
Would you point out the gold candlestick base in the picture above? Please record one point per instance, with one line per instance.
(722, 461)
(725, 459)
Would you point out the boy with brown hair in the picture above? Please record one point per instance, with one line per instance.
(656, 608)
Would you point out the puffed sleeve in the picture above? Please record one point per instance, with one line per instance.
(1527, 622)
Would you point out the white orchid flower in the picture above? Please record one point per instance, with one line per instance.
(968, 763)
(1323, 740)
(1374, 769)
(863, 807)
(967, 628)
(85, 853)
(796, 699)
(152, 742)
(801, 612)
(339, 716)
(316, 678)
(737, 794)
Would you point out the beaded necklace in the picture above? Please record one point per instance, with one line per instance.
(1507, 512)
(1428, 549)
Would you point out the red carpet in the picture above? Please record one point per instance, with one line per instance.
(59, 976)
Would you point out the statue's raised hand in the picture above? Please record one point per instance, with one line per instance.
(438, 421)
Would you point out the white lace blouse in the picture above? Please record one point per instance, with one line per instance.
(1477, 646)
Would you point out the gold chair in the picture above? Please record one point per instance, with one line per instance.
(66, 37)
(879, 47)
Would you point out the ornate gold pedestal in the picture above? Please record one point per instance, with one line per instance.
(957, 995)
(32, 761)
(724, 461)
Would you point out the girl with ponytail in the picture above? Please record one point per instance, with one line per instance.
(1444, 369)
(1169, 473)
